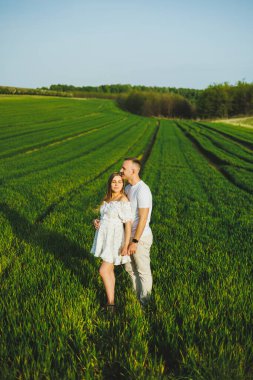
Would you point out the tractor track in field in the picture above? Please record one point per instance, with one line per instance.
(25, 133)
(48, 128)
(239, 141)
(191, 167)
(219, 160)
(213, 160)
(219, 145)
(69, 195)
(149, 148)
(35, 148)
(85, 153)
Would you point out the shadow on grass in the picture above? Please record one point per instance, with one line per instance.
(108, 337)
(68, 252)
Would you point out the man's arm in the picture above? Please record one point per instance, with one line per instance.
(143, 216)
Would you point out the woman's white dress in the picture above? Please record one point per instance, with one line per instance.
(109, 238)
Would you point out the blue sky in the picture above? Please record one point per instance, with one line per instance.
(158, 43)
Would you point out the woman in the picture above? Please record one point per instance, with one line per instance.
(111, 239)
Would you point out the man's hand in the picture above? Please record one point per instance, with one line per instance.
(132, 248)
(124, 251)
(96, 223)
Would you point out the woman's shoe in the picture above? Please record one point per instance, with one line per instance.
(110, 308)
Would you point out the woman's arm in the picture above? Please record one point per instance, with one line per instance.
(96, 223)
(127, 233)
(128, 226)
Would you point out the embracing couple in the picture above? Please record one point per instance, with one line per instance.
(123, 234)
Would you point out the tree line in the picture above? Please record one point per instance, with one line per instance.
(189, 93)
(9, 90)
(157, 104)
(216, 101)
(225, 100)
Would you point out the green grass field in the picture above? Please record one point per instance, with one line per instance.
(55, 157)
(239, 121)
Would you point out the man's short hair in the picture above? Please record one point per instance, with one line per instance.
(134, 160)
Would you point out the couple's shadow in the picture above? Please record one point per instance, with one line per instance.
(72, 256)
(70, 253)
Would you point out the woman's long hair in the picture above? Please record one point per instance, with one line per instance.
(108, 195)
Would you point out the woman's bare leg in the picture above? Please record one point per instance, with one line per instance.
(106, 271)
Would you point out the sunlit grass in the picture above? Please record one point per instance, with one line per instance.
(198, 323)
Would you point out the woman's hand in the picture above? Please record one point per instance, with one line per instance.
(124, 250)
(96, 223)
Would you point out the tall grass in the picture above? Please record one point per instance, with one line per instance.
(198, 323)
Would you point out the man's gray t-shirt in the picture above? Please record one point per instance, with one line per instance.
(139, 196)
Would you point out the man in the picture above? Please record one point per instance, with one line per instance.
(140, 197)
